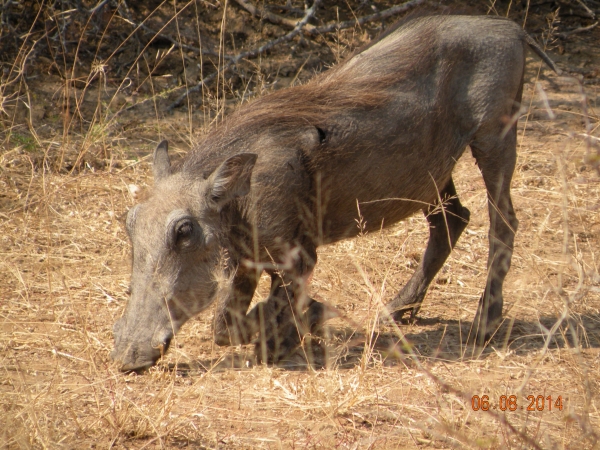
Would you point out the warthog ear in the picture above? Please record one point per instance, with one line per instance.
(232, 178)
(161, 167)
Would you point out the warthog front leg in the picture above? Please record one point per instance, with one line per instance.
(445, 227)
(232, 326)
(287, 332)
(276, 317)
(289, 318)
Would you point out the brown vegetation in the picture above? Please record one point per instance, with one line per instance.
(82, 101)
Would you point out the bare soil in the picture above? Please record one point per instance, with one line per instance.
(77, 128)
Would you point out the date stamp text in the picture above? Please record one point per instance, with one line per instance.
(511, 403)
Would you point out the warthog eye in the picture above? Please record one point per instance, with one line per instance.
(184, 234)
(322, 135)
(185, 230)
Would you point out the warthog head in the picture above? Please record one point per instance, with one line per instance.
(175, 237)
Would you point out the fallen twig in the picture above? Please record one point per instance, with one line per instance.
(588, 10)
(578, 30)
(271, 17)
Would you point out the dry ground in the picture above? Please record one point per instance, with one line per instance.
(64, 271)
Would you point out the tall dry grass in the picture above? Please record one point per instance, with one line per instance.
(65, 186)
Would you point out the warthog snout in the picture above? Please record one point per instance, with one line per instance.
(138, 354)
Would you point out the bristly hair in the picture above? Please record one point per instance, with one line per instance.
(339, 90)
(285, 110)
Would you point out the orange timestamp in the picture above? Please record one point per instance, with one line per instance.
(509, 403)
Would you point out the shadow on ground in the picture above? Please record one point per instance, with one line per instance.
(442, 340)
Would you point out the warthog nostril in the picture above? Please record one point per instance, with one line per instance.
(163, 344)
(167, 343)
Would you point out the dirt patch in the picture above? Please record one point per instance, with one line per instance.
(78, 127)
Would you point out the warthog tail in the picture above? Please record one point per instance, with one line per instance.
(540, 52)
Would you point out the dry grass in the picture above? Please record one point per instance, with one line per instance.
(64, 272)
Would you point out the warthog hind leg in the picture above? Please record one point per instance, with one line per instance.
(497, 174)
(446, 223)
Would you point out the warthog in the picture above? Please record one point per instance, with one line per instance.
(284, 174)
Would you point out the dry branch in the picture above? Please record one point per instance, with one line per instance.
(251, 53)
(588, 10)
(333, 26)
(362, 20)
(300, 26)
(578, 30)
(273, 18)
